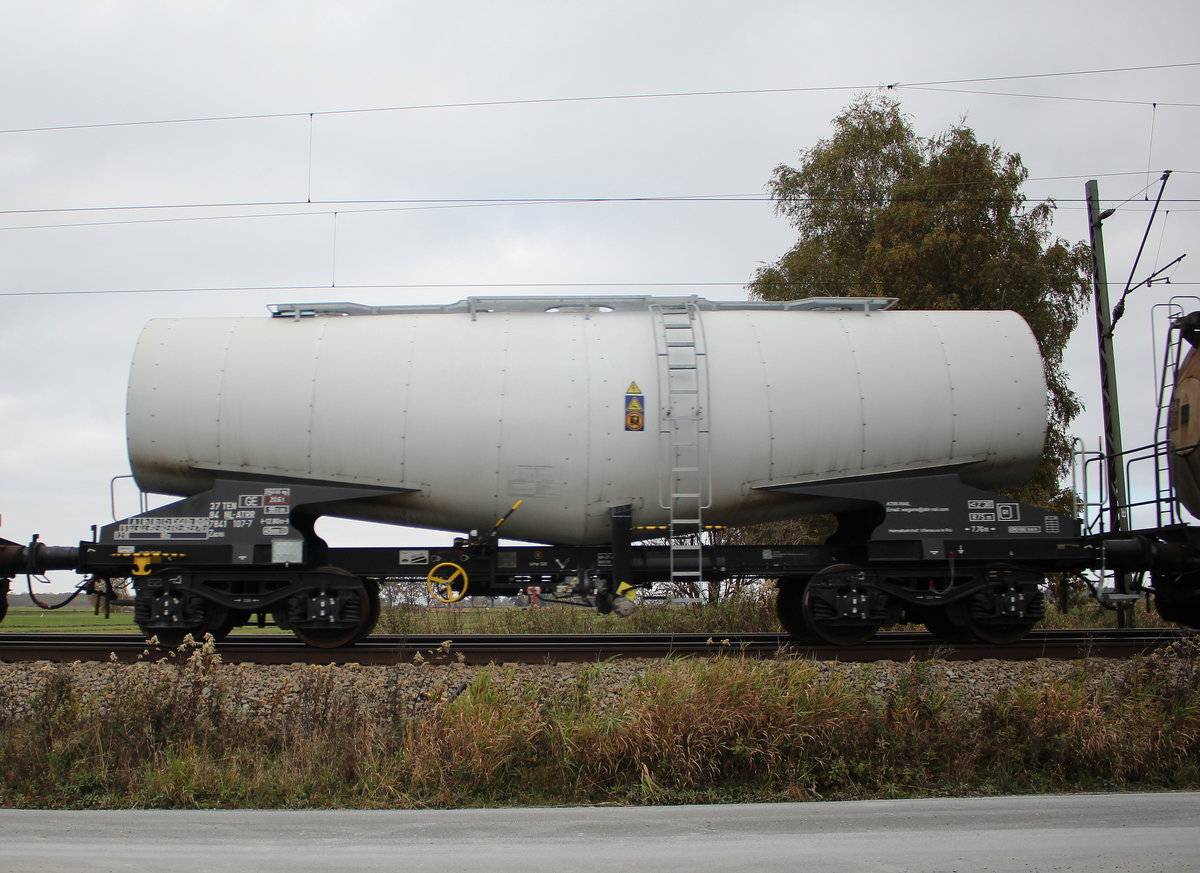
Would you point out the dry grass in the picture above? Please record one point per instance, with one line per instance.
(189, 734)
(749, 611)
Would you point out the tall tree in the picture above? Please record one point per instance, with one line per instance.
(940, 223)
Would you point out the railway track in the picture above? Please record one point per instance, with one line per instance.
(555, 648)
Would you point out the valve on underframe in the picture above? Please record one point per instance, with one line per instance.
(623, 601)
(447, 582)
(626, 600)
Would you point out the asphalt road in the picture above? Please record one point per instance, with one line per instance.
(1092, 833)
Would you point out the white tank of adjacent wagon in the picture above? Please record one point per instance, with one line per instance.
(575, 406)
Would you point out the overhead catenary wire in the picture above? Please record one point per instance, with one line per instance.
(662, 95)
(383, 204)
(1144, 189)
(368, 206)
(388, 205)
(1053, 75)
(1110, 100)
(507, 201)
(421, 202)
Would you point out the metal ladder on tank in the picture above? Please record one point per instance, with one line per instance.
(1172, 357)
(683, 432)
(1162, 435)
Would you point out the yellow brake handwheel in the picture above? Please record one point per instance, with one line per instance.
(444, 586)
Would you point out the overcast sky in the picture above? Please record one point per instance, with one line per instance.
(101, 68)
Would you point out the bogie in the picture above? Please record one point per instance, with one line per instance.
(325, 608)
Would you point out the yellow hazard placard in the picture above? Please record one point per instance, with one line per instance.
(633, 389)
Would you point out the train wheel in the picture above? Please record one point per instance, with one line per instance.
(233, 618)
(336, 637)
(824, 607)
(326, 638)
(373, 610)
(217, 621)
(787, 606)
(998, 634)
(1177, 598)
(186, 613)
(972, 627)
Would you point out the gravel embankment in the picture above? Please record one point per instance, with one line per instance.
(409, 690)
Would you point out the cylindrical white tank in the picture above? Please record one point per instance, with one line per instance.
(592, 404)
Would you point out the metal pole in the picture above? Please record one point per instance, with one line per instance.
(1114, 459)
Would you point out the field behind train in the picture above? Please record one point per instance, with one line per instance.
(750, 613)
(191, 731)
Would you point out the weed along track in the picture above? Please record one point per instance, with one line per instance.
(556, 648)
(192, 730)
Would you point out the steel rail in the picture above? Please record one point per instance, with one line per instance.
(556, 648)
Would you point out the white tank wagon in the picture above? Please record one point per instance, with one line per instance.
(681, 409)
(589, 425)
